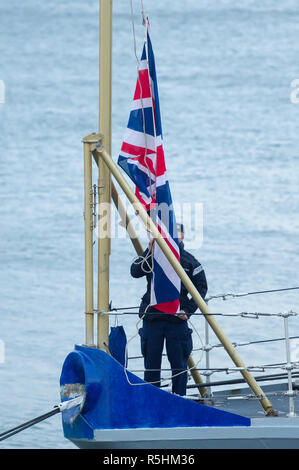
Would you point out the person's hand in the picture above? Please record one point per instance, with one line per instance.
(182, 315)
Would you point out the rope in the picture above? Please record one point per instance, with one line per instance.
(139, 82)
(125, 308)
(259, 368)
(260, 378)
(144, 259)
(57, 409)
(142, 12)
(242, 294)
(223, 296)
(262, 368)
(219, 399)
(22, 427)
(161, 379)
(254, 315)
(235, 345)
(143, 115)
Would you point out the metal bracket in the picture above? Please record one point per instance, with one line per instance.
(101, 186)
(94, 205)
(93, 139)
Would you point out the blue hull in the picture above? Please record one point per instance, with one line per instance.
(113, 401)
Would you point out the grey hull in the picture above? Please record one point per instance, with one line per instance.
(264, 433)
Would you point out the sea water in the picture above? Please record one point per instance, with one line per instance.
(227, 74)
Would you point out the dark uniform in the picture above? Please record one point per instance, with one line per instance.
(159, 326)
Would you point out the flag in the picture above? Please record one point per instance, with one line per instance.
(142, 158)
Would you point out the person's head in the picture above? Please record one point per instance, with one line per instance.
(180, 228)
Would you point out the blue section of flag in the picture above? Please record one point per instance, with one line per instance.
(136, 122)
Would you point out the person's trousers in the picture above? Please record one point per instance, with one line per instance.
(178, 341)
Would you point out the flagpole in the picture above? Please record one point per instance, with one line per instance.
(266, 404)
(88, 224)
(104, 179)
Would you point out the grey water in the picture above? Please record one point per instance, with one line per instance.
(230, 118)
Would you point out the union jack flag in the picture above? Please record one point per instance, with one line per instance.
(142, 158)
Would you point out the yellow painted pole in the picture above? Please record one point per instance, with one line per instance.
(104, 183)
(88, 222)
(266, 404)
(196, 376)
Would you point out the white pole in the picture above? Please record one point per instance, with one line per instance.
(290, 391)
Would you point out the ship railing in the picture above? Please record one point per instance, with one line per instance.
(287, 370)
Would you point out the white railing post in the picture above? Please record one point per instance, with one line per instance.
(207, 348)
(290, 392)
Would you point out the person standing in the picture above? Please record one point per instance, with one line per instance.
(159, 327)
